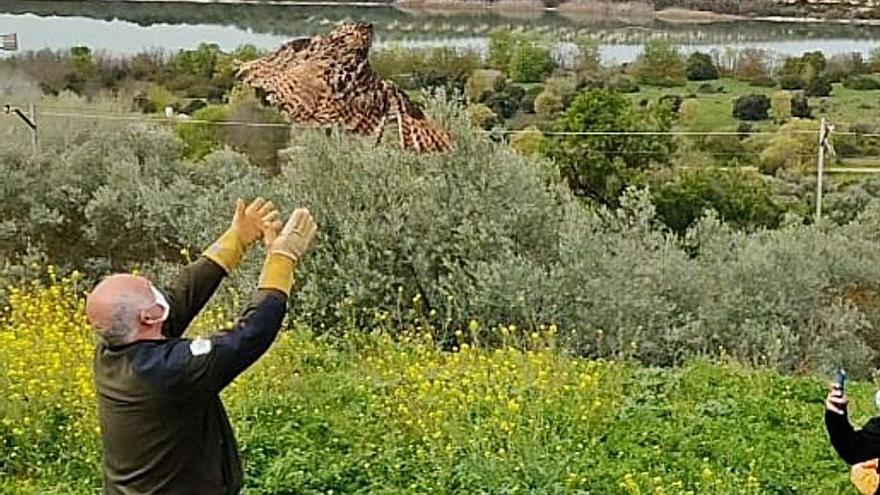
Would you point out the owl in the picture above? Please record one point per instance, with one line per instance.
(327, 80)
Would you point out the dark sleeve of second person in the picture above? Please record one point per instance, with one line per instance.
(853, 446)
(209, 365)
(188, 294)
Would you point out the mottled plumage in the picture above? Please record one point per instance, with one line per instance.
(327, 80)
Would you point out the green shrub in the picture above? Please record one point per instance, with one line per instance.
(505, 102)
(548, 103)
(700, 67)
(751, 107)
(660, 65)
(741, 199)
(819, 86)
(862, 83)
(600, 167)
(800, 106)
(201, 138)
(481, 83)
(530, 63)
(483, 117)
(791, 82)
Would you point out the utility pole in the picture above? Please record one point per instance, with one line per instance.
(822, 140)
(35, 140)
(30, 121)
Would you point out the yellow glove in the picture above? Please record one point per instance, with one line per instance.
(286, 250)
(865, 477)
(248, 225)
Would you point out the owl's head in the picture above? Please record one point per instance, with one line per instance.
(356, 35)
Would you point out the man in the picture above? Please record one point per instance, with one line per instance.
(860, 449)
(164, 429)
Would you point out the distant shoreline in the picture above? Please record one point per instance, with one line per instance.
(673, 15)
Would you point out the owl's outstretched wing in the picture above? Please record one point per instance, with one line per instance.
(416, 132)
(293, 81)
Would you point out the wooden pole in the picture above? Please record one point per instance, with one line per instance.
(820, 171)
(35, 141)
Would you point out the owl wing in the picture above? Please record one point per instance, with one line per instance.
(416, 132)
(292, 78)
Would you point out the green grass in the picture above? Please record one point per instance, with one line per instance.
(365, 415)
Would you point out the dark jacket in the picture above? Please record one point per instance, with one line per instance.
(163, 426)
(853, 446)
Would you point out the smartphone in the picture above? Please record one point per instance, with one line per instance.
(841, 380)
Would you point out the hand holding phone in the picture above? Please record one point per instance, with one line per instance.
(841, 380)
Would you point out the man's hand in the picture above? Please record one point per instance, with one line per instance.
(836, 400)
(252, 222)
(296, 236)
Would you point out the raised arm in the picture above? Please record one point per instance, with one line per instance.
(853, 446)
(198, 281)
(208, 365)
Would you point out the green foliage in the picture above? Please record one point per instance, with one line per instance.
(742, 199)
(700, 67)
(781, 104)
(201, 138)
(602, 166)
(530, 62)
(800, 106)
(501, 45)
(548, 103)
(752, 64)
(483, 117)
(312, 417)
(506, 102)
(660, 65)
(751, 107)
(793, 147)
(412, 69)
(861, 83)
(481, 83)
(818, 86)
(529, 142)
(479, 233)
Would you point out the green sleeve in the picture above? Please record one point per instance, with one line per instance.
(188, 294)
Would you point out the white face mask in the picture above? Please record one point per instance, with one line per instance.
(162, 302)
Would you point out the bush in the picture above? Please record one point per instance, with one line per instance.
(861, 83)
(201, 138)
(800, 106)
(763, 82)
(793, 147)
(481, 83)
(819, 86)
(781, 104)
(700, 67)
(752, 64)
(791, 82)
(548, 103)
(600, 167)
(751, 107)
(483, 117)
(530, 63)
(741, 199)
(624, 85)
(529, 142)
(660, 65)
(506, 102)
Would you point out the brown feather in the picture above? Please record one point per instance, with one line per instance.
(327, 80)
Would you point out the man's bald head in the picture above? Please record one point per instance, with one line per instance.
(116, 305)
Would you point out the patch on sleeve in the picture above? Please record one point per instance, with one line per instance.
(200, 346)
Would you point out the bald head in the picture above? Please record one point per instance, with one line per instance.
(116, 307)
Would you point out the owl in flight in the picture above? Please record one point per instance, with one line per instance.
(328, 80)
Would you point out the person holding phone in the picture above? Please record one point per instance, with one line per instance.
(858, 448)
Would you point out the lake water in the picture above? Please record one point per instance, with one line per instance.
(128, 28)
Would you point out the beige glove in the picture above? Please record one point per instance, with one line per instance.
(286, 250)
(248, 225)
(865, 477)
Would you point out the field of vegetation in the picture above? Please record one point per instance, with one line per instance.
(368, 414)
(535, 312)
